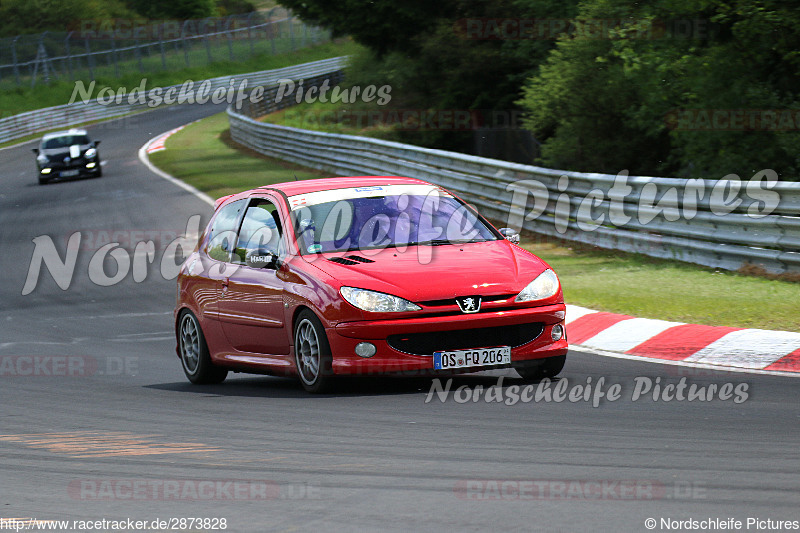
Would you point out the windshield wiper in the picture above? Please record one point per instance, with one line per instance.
(432, 242)
(441, 242)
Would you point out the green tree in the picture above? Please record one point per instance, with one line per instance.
(36, 16)
(431, 59)
(382, 25)
(174, 9)
(619, 101)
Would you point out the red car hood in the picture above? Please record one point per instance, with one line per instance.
(422, 273)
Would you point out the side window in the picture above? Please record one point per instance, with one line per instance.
(223, 231)
(261, 231)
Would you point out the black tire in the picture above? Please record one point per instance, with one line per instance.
(42, 181)
(193, 350)
(99, 173)
(542, 368)
(312, 354)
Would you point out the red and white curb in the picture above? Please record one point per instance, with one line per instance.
(157, 144)
(693, 344)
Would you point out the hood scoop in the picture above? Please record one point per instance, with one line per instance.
(350, 260)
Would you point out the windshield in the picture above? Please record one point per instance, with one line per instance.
(65, 141)
(383, 217)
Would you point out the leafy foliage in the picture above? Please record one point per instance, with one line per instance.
(627, 85)
(643, 104)
(432, 61)
(174, 9)
(35, 16)
(382, 25)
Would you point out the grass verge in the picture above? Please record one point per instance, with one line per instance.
(202, 155)
(604, 280)
(648, 287)
(347, 119)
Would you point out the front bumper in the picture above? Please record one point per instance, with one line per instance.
(455, 331)
(77, 167)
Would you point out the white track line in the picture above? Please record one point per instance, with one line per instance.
(155, 170)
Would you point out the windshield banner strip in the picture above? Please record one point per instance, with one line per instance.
(321, 197)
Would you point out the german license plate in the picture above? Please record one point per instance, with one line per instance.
(68, 173)
(500, 355)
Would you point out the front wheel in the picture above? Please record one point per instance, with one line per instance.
(193, 350)
(539, 369)
(312, 353)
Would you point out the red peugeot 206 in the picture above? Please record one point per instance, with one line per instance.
(359, 276)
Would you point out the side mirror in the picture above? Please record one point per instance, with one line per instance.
(510, 235)
(262, 259)
(35, 151)
(95, 143)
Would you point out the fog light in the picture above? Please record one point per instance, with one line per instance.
(90, 165)
(365, 349)
(46, 171)
(557, 332)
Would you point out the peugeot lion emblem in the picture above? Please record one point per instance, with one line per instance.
(469, 304)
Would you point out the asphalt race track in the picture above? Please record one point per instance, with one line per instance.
(98, 420)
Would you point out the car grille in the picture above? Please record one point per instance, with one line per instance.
(464, 339)
(60, 165)
(452, 301)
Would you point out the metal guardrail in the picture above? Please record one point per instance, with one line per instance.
(77, 113)
(716, 223)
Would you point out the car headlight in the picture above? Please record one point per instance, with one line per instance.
(377, 302)
(544, 286)
(42, 159)
(90, 153)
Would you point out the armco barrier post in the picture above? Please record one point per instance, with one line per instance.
(14, 58)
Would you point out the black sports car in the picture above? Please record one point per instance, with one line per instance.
(67, 154)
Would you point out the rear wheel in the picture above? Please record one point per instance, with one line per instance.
(193, 350)
(312, 353)
(542, 368)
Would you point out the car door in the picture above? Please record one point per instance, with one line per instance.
(211, 268)
(251, 308)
